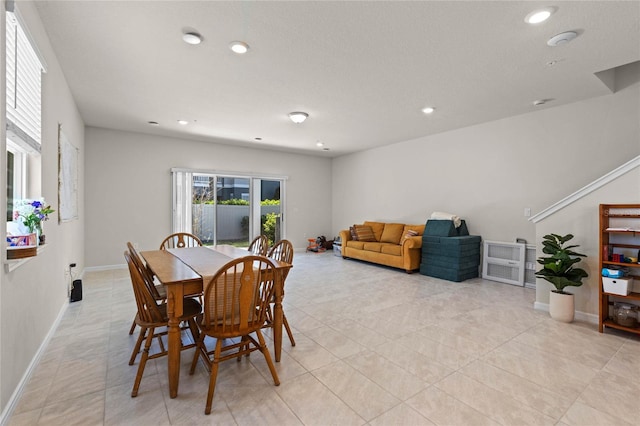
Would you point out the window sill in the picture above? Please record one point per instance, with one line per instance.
(13, 264)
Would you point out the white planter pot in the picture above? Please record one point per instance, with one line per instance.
(561, 307)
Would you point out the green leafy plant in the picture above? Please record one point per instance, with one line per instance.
(33, 213)
(558, 268)
(269, 222)
(233, 202)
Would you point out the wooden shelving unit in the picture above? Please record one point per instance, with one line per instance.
(624, 237)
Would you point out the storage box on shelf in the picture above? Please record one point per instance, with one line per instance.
(619, 248)
(617, 286)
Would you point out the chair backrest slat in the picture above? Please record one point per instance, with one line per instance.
(148, 310)
(259, 246)
(282, 251)
(180, 240)
(236, 299)
(146, 273)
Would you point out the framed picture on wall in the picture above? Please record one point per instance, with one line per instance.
(67, 178)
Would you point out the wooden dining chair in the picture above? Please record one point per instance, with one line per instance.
(259, 246)
(282, 251)
(153, 316)
(158, 291)
(236, 302)
(180, 240)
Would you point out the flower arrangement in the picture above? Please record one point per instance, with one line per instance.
(32, 212)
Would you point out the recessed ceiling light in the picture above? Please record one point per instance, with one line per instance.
(192, 38)
(540, 15)
(428, 110)
(298, 116)
(153, 123)
(239, 47)
(183, 122)
(319, 143)
(258, 139)
(562, 38)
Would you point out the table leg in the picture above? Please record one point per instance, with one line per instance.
(174, 311)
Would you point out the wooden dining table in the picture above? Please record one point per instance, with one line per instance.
(184, 272)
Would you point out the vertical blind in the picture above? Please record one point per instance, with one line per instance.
(182, 195)
(24, 70)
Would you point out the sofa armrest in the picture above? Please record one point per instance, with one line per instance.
(345, 235)
(413, 242)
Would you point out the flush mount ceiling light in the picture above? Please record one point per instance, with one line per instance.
(539, 15)
(562, 38)
(298, 117)
(428, 110)
(192, 38)
(540, 102)
(239, 47)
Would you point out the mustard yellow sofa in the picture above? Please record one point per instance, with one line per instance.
(392, 244)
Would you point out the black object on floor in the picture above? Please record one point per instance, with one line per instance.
(76, 291)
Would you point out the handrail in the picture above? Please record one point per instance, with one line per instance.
(598, 183)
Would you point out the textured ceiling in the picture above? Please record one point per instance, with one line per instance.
(362, 70)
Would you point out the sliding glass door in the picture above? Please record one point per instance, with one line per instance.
(227, 209)
(268, 209)
(232, 211)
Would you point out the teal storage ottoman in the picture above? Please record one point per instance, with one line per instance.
(445, 228)
(449, 274)
(455, 258)
(453, 247)
(463, 263)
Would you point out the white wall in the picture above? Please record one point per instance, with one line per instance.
(489, 173)
(582, 220)
(129, 188)
(32, 296)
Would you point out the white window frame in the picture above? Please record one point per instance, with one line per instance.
(19, 169)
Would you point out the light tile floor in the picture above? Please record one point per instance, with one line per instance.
(374, 346)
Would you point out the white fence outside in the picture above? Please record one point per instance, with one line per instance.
(229, 219)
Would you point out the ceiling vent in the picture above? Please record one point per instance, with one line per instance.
(562, 38)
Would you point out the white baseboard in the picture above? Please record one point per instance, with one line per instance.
(580, 316)
(17, 393)
(105, 267)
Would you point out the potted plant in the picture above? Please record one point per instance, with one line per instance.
(32, 213)
(558, 269)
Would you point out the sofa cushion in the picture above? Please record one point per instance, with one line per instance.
(354, 244)
(392, 233)
(373, 246)
(394, 249)
(377, 227)
(364, 233)
(352, 231)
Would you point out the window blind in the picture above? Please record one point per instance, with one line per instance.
(24, 71)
